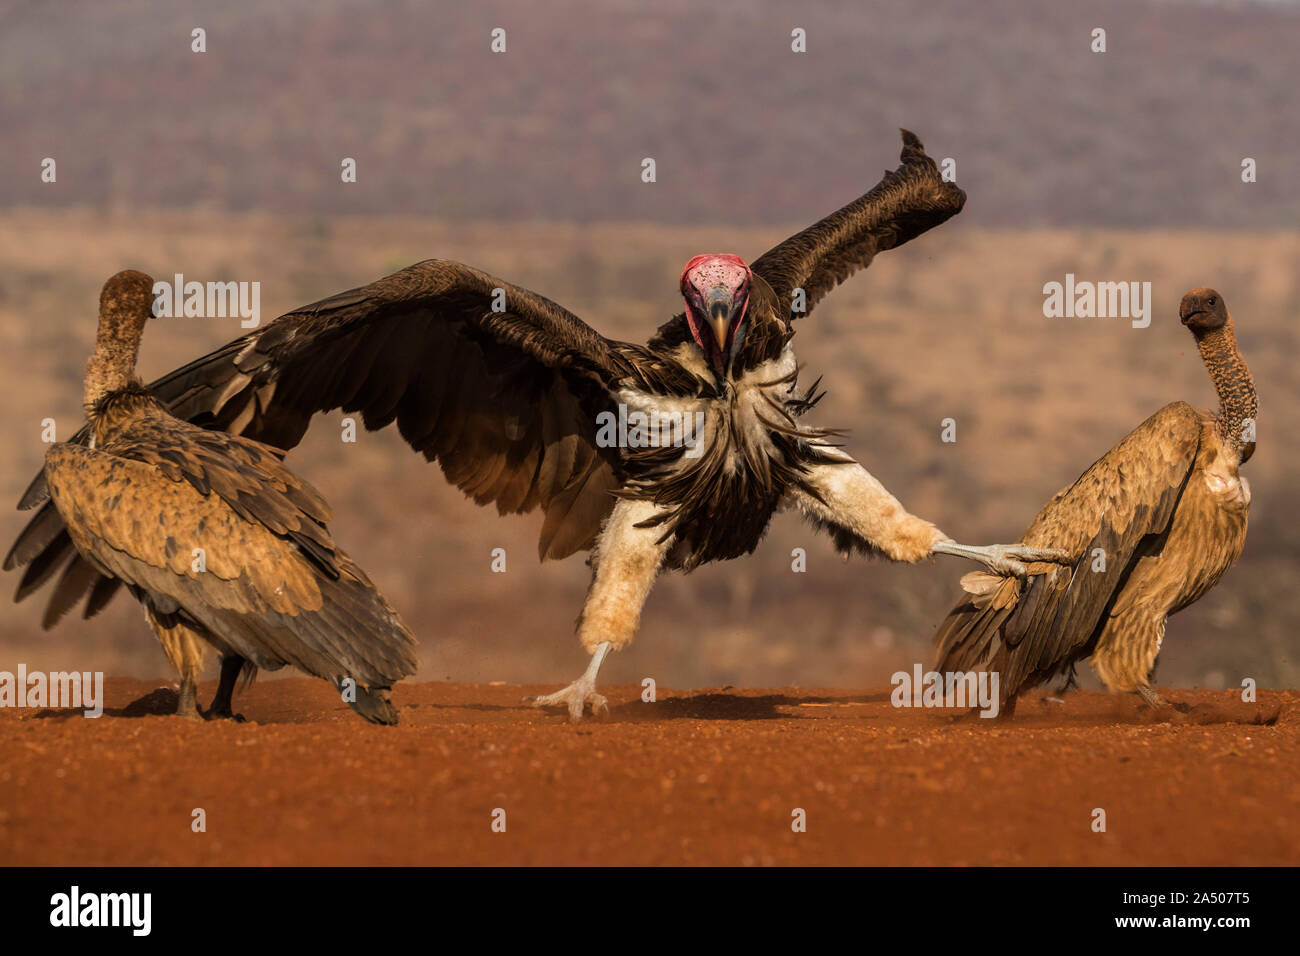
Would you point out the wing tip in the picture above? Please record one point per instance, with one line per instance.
(910, 141)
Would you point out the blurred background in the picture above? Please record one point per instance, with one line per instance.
(1115, 166)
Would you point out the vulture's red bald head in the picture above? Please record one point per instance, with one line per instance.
(716, 290)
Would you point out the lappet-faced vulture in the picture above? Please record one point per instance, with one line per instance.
(1149, 529)
(220, 542)
(524, 405)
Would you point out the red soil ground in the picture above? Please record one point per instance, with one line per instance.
(707, 777)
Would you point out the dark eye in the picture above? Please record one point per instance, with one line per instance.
(1212, 300)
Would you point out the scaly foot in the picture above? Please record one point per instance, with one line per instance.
(187, 704)
(1003, 558)
(575, 697)
(221, 708)
(1156, 702)
(213, 713)
(581, 692)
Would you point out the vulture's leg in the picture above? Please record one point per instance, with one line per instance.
(1002, 558)
(581, 692)
(187, 705)
(1127, 647)
(184, 649)
(1151, 698)
(231, 665)
(844, 498)
(627, 560)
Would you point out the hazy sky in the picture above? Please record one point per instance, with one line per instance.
(1150, 133)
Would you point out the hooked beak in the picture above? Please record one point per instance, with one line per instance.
(720, 306)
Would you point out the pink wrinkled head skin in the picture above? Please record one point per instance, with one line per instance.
(705, 272)
(704, 278)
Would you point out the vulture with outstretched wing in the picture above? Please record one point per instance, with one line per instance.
(1149, 529)
(668, 454)
(219, 541)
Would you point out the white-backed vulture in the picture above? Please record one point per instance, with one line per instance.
(220, 542)
(513, 396)
(1149, 529)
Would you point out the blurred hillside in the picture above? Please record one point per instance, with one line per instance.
(1150, 134)
(949, 326)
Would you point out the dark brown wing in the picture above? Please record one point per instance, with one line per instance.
(272, 583)
(1122, 505)
(43, 549)
(908, 201)
(506, 402)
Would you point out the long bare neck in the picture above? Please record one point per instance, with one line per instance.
(1237, 403)
(112, 365)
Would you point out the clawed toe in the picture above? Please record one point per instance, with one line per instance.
(1054, 555)
(581, 693)
(1004, 559)
(1012, 558)
(575, 698)
(1152, 699)
(1009, 566)
(214, 714)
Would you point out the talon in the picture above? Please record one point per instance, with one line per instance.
(1054, 555)
(581, 693)
(1003, 559)
(1151, 698)
(575, 698)
(215, 714)
(1008, 566)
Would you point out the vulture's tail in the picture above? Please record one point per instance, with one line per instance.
(374, 705)
(970, 637)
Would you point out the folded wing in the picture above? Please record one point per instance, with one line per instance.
(1120, 509)
(215, 526)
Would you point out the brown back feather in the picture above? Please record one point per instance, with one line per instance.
(1123, 504)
